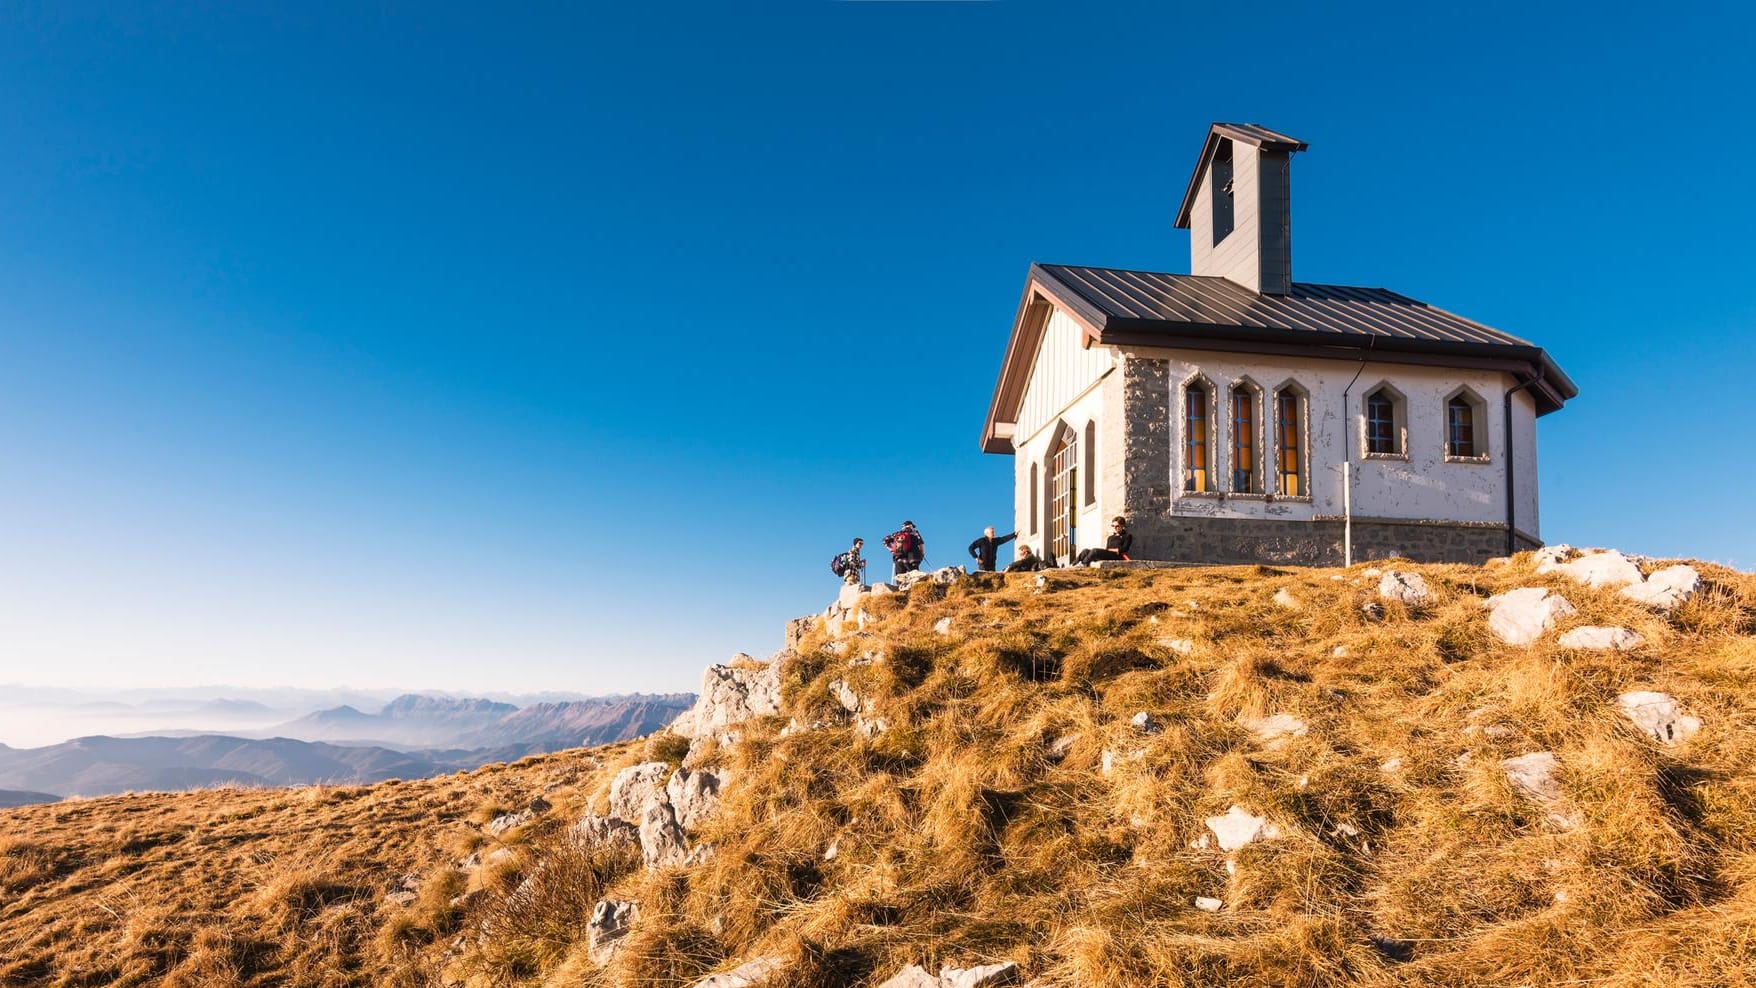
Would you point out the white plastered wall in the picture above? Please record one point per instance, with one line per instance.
(1065, 387)
(1421, 485)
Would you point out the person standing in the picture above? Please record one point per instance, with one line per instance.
(986, 549)
(907, 549)
(848, 565)
(1115, 547)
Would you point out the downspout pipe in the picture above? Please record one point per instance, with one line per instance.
(1511, 490)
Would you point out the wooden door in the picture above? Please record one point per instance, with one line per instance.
(1063, 482)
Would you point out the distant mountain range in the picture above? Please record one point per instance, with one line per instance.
(413, 736)
(13, 797)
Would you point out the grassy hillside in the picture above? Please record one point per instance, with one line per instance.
(982, 825)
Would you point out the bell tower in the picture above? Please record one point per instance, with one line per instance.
(1238, 208)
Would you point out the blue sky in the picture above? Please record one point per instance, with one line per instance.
(560, 347)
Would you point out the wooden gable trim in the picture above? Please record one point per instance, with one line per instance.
(1028, 328)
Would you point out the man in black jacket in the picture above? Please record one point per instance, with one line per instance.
(986, 549)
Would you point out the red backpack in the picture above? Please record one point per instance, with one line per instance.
(903, 543)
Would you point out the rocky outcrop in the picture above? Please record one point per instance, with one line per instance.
(731, 695)
(610, 922)
(915, 976)
(1608, 568)
(662, 843)
(608, 832)
(1659, 715)
(636, 786)
(1407, 588)
(759, 973)
(1666, 589)
(693, 796)
(1520, 617)
(668, 805)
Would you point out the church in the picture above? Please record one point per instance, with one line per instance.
(1234, 415)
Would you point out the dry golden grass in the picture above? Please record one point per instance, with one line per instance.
(966, 833)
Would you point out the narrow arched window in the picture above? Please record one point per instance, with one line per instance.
(1197, 453)
(1290, 462)
(1033, 499)
(1091, 463)
(1244, 441)
(1460, 427)
(1382, 432)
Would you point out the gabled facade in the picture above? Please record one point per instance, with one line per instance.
(1236, 415)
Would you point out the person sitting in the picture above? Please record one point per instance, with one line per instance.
(1029, 562)
(1116, 547)
(986, 549)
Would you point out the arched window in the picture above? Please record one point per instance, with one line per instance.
(1384, 422)
(1091, 463)
(1033, 499)
(1197, 450)
(1289, 436)
(1465, 426)
(1246, 441)
(1063, 488)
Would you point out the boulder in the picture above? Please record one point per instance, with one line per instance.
(1551, 554)
(694, 797)
(1207, 904)
(1608, 568)
(849, 597)
(798, 628)
(608, 832)
(1665, 589)
(947, 575)
(915, 976)
(1601, 638)
(750, 974)
(1409, 588)
(538, 804)
(610, 921)
(731, 695)
(1659, 715)
(1239, 827)
(1520, 617)
(636, 786)
(662, 843)
(905, 581)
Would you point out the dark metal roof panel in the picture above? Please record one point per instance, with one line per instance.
(1336, 310)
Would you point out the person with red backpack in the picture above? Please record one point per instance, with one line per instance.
(848, 565)
(907, 549)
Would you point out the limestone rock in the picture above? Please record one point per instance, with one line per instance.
(1206, 904)
(947, 575)
(1608, 568)
(1239, 827)
(915, 976)
(845, 695)
(1602, 639)
(1659, 715)
(1550, 554)
(730, 696)
(1520, 617)
(1276, 726)
(906, 581)
(1534, 776)
(694, 796)
(1409, 588)
(1181, 646)
(750, 974)
(1371, 610)
(1284, 598)
(942, 626)
(1060, 747)
(636, 786)
(798, 628)
(401, 898)
(506, 822)
(610, 921)
(1146, 723)
(1665, 589)
(849, 597)
(662, 844)
(594, 831)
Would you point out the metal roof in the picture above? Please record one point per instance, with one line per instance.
(1254, 134)
(1194, 312)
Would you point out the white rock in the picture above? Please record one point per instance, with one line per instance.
(1534, 777)
(1596, 569)
(849, 597)
(913, 976)
(1181, 646)
(1659, 715)
(1238, 828)
(593, 831)
(942, 626)
(1284, 598)
(1665, 589)
(1600, 638)
(1146, 723)
(947, 575)
(749, 974)
(979, 977)
(1060, 747)
(1409, 588)
(870, 727)
(1391, 764)
(845, 695)
(881, 590)
(610, 922)
(1372, 610)
(1520, 617)
(1339, 652)
(730, 696)
(1276, 726)
(1551, 554)
(635, 786)
(1206, 904)
(833, 851)
(662, 844)
(509, 821)
(694, 796)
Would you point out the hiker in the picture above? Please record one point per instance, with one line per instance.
(1116, 547)
(987, 548)
(1028, 561)
(848, 565)
(907, 549)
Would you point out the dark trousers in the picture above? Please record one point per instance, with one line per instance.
(1096, 556)
(907, 564)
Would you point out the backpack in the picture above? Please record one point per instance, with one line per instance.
(841, 563)
(902, 543)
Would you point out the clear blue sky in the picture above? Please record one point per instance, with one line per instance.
(476, 348)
